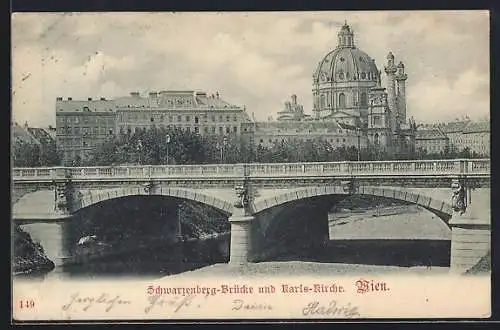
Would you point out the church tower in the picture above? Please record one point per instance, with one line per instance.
(401, 77)
(379, 119)
(390, 70)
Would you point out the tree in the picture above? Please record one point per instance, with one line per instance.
(29, 154)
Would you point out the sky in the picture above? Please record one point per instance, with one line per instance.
(253, 59)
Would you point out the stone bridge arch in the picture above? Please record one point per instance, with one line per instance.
(438, 207)
(91, 197)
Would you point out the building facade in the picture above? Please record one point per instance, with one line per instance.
(83, 125)
(432, 140)
(474, 135)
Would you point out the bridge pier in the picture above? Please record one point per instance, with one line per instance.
(54, 237)
(241, 237)
(470, 241)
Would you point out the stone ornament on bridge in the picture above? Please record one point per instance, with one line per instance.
(350, 186)
(459, 197)
(241, 195)
(149, 187)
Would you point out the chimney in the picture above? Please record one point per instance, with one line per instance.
(134, 94)
(59, 98)
(294, 99)
(89, 99)
(153, 94)
(103, 99)
(217, 94)
(70, 98)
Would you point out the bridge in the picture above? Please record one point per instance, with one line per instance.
(256, 196)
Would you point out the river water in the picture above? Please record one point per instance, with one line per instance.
(414, 238)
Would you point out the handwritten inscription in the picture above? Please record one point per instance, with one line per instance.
(87, 302)
(175, 303)
(333, 309)
(240, 304)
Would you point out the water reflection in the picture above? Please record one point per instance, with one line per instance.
(155, 262)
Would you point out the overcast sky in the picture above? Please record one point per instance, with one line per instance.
(252, 59)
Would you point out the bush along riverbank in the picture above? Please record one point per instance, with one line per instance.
(483, 265)
(199, 221)
(28, 256)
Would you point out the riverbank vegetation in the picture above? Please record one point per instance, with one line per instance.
(160, 146)
(28, 256)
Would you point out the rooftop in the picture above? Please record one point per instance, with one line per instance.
(454, 126)
(429, 134)
(477, 127)
(162, 100)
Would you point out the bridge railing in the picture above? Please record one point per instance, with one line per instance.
(379, 168)
(263, 170)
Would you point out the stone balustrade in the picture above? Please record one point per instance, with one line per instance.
(470, 167)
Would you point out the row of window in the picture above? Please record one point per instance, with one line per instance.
(179, 118)
(99, 120)
(196, 129)
(68, 130)
(301, 139)
(325, 100)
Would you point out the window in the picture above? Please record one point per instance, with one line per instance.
(323, 101)
(213, 129)
(213, 118)
(235, 118)
(235, 129)
(188, 118)
(179, 118)
(188, 129)
(341, 100)
(377, 120)
(228, 118)
(196, 129)
(227, 130)
(205, 129)
(196, 119)
(364, 99)
(221, 130)
(363, 75)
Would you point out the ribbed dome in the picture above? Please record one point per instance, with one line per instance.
(346, 62)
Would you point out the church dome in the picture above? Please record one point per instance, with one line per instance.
(346, 63)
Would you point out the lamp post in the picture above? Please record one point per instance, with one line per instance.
(139, 149)
(359, 143)
(167, 140)
(223, 146)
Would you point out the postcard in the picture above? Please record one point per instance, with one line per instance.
(250, 166)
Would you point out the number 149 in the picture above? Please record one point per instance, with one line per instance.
(26, 304)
